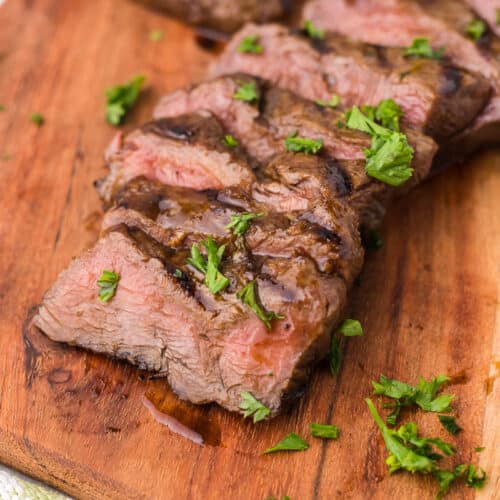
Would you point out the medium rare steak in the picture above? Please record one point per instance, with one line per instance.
(187, 150)
(262, 126)
(434, 95)
(221, 15)
(488, 10)
(163, 317)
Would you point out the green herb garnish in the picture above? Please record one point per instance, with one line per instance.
(156, 35)
(448, 422)
(250, 45)
(246, 92)
(38, 119)
(351, 328)
(296, 144)
(472, 478)
(475, 29)
(248, 295)
(312, 31)
(230, 141)
(2, 107)
(387, 113)
(335, 355)
(107, 283)
(252, 406)
(423, 395)
(214, 279)
(324, 431)
(479, 449)
(292, 442)
(389, 157)
(420, 47)
(497, 18)
(178, 273)
(332, 103)
(240, 222)
(120, 98)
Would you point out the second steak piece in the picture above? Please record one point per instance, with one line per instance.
(435, 96)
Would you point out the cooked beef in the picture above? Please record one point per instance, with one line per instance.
(187, 150)
(163, 318)
(434, 95)
(440, 21)
(221, 15)
(488, 10)
(263, 125)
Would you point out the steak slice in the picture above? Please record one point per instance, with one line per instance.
(440, 21)
(221, 15)
(488, 10)
(163, 318)
(263, 125)
(435, 96)
(187, 150)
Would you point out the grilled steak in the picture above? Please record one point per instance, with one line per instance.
(443, 22)
(211, 348)
(488, 10)
(221, 15)
(435, 96)
(184, 151)
(263, 125)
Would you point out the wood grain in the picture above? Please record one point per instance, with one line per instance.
(428, 300)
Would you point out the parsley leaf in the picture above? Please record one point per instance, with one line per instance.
(292, 442)
(250, 45)
(446, 477)
(156, 35)
(324, 431)
(2, 107)
(38, 119)
(120, 98)
(332, 103)
(296, 144)
(335, 355)
(448, 422)
(312, 31)
(248, 295)
(252, 406)
(214, 279)
(475, 29)
(230, 141)
(107, 282)
(282, 498)
(423, 395)
(178, 273)
(389, 156)
(351, 328)
(246, 92)
(240, 222)
(387, 113)
(420, 47)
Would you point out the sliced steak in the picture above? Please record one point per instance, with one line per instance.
(163, 318)
(263, 125)
(187, 150)
(221, 15)
(443, 22)
(434, 95)
(489, 11)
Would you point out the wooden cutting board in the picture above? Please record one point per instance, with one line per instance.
(428, 300)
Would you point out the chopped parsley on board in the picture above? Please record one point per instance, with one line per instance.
(121, 98)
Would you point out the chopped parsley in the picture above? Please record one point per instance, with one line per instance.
(332, 103)
(410, 452)
(178, 273)
(312, 31)
(156, 35)
(479, 449)
(246, 92)
(351, 328)
(475, 29)
(497, 19)
(387, 113)
(38, 119)
(240, 222)
(214, 279)
(230, 141)
(120, 98)
(107, 283)
(420, 47)
(2, 107)
(390, 155)
(250, 45)
(423, 395)
(252, 406)
(296, 144)
(292, 442)
(448, 422)
(335, 355)
(324, 431)
(282, 498)
(248, 295)
(5, 157)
